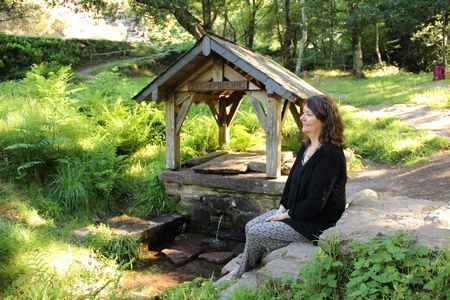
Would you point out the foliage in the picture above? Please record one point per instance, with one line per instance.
(199, 288)
(123, 249)
(38, 124)
(18, 53)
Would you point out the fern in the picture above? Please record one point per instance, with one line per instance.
(20, 146)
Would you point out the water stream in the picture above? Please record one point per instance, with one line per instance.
(218, 228)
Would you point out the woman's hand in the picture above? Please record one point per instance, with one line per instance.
(278, 216)
(281, 209)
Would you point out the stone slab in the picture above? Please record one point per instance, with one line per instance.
(253, 182)
(278, 269)
(182, 254)
(366, 218)
(161, 229)
(231, 163)
(195, 161)
(296, 252)
(217, 257)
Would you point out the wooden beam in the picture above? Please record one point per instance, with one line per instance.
(296, 115)
(255, 99)
(224, 129)
(235, 102)
(284, 111)
(172, 137)
(271, 123)
(218, 68)
(183, 110)
(233, 75)
(214, 111)
(273, 138)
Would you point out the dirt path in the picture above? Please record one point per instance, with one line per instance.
(430, 180)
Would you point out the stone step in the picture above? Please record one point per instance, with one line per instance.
(163, 228)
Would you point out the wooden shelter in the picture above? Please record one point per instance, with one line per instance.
(220, 73)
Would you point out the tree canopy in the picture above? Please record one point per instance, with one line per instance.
(344, 34)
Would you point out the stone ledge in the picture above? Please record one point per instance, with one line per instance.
(251, 182)
(161, 229)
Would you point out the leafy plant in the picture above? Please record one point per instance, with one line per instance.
(199, 288)
(124, 249)
(384, 268)
(390, 268)
(70, 186)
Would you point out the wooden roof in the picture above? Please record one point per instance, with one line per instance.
(260, 70)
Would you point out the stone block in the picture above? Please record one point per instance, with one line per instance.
(182, 254)
(161, 229)
(295, 252)
(217, 257)
(277, 270)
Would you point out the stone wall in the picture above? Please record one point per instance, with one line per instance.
(231, 199)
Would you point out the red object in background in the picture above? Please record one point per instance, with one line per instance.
(438, 73)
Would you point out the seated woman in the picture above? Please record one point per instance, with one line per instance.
(314, 195)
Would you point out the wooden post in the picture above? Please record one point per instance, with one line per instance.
(224, 129)
(270, 120)
(173, 160)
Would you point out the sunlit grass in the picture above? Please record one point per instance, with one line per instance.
(388, 140)
(385, 89)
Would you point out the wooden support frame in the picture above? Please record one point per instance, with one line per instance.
(271, 121)
(177, 107)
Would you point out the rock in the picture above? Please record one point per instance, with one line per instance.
(374, 216)
(231, 265)
(287, 166)
(217, 257)
(162, 229)
(195, 161)
(182, 254)
(295, 252)
(278, 269)
(196, 239)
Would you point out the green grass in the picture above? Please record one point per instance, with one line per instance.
(385, 88)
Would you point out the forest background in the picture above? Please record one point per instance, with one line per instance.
(77, 151)
(301, 35)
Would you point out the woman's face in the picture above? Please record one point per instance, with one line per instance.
(311, 125)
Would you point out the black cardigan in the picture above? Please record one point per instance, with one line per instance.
(315, 192)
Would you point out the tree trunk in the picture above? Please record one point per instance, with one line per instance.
(377, 45)
(190, 24)
(357, 55)
(444, 38)
(303, 41)
(249, 32)
(288, 59)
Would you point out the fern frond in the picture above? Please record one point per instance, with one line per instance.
(28, 165)
(20, 146)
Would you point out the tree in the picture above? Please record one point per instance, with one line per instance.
(15, 10)
(417, 33)
(303, 40)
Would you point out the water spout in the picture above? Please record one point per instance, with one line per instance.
(218, 228)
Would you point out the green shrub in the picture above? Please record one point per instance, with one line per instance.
(199, 288)
(19, 53)
(384, 268)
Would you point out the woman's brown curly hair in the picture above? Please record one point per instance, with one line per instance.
(325, 109)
